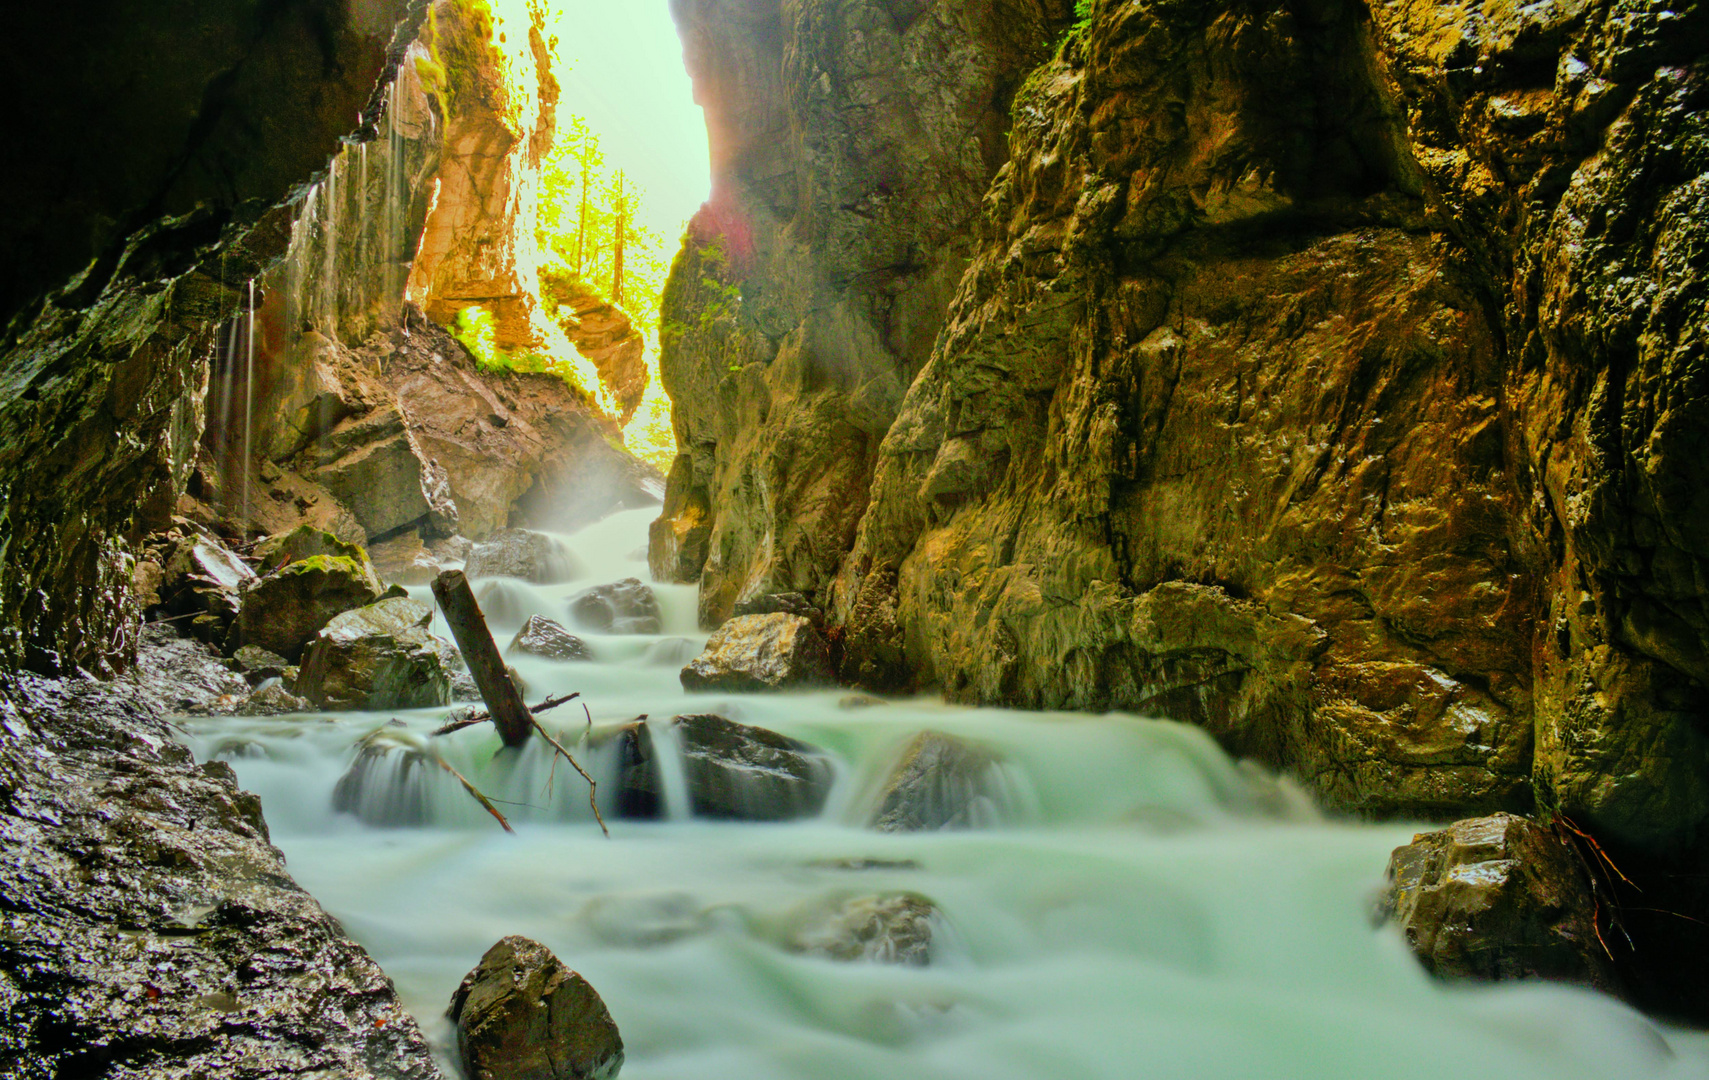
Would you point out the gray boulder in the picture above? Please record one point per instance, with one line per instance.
(258, 665)
(272, 699)
(522, 1015)
(376, 657)
(940, 782)
(541, 636)
(622, 607)
(761, 652)
(1497, 898)
(748, 773)
(520, 553)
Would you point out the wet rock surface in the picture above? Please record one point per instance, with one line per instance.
(182, 675)
(284, 610)
(520, 553)
(522, 1015)
(891, 929)
(622, 607)
(941, 782)
(748, 773)
(1498, 898)
(792, 603)
(541, 636)
(761, 652)
(376, 657)
(150, 927)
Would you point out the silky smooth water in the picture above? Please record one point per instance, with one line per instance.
(1138, 905)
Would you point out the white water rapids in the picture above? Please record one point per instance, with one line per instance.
(1143, 907)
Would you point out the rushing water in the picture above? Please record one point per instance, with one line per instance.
(1141, 906)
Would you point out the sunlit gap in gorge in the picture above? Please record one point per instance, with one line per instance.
(627, 169)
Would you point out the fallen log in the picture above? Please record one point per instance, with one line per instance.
(469, 627)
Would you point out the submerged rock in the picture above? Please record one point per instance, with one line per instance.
(541, 636)
(284, 610)
(749, 773)
(520, 553)
(1495, 898)
(387, 784)
(761, 652)
(941, 782)
(892, 929)
(522, 1015)
(622, 607)
(376, 657)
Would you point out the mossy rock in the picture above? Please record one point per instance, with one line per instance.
(377, 657)
(285, 609)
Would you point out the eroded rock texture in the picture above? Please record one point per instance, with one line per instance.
(150, 928)
(161, 138)
(1329, 375)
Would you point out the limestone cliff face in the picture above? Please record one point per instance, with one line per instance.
(168, 150)
(1327, 374)
(851, 143)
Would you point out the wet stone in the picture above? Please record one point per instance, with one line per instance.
(272, 699)
(941, 782)
(789, 603)
(891, 929)
(283, 611)
(761, 652)
(1497, 898)
(258, 665)
(180, 675)
(747, 773)
(376, 657)
(522, 1015)
(521, 553)
(541, 636)
(622, 607)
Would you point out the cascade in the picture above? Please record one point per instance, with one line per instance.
(1130, 901)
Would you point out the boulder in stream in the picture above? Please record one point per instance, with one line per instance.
(622, 607)
(284, 610)
(258, 665)
(940, 782)
(1494, 898)
(541, 636)
(748, 773)
(272, 699)
(761, 652)
(377, 657)
(522, 553)
(895, 928)
(522, 1015)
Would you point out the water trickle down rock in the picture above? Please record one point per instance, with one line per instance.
(520, 553)
(541, 636)
(376, 657)
(522, 1015)
(622, 607)
(761, 652)
(941, 782)
(1498, 897)
(388, 783)
(749, 773)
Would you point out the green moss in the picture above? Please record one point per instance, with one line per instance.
(306, 541)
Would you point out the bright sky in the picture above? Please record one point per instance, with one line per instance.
(626, 78)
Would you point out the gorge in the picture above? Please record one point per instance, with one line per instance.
(1138, 463)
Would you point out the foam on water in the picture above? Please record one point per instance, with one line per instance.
(1139, 906)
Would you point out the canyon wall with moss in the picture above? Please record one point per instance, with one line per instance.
(1330, 375)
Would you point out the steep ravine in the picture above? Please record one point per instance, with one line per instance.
(1326, 374)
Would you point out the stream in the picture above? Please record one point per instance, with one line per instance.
(1133, 904)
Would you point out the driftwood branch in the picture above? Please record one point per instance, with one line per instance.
(592, 784)
(482, 717)
(476, 792)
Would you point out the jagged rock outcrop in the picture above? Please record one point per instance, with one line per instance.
(1319, 374)
(541, 636)
(151, 928)
(851, 146)
(1499, 898)
(164, 194)
(522, 1015)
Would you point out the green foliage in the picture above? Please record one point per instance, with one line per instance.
(474, 328)
(1082, 13)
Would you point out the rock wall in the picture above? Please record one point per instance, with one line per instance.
(1324, 373)
(183, 143)
(851, 145)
